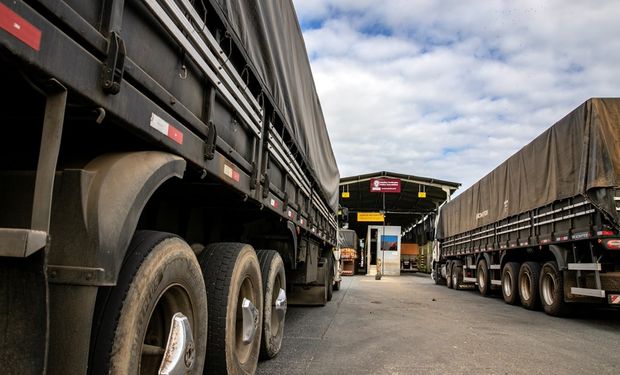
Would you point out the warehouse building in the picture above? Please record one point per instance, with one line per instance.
(393, 216)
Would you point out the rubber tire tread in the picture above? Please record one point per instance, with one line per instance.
(330, 278)
(265, 259)
(534, 269)
(513, 268)
(218, 262)
(111, 299)
(458, 268)
(449, 274)
(436, 273)
(337, 286)
(560, 307)
(484, 291)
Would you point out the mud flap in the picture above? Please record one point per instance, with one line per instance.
(23, 314)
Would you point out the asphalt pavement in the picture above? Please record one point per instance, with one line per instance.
(409, 325)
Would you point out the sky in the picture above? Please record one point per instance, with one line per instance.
(450, 89)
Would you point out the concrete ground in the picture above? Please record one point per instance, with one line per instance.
(409, 325)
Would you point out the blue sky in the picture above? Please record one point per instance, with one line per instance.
(450, 89)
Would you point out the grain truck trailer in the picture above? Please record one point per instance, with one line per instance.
(166, 179)
(543, 226)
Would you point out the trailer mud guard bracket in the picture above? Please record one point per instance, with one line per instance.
(292, 228)
(113, 190)
(560, 255)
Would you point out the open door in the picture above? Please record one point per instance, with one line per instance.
(373, 250)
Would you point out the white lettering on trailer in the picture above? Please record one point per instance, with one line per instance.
(482, 214)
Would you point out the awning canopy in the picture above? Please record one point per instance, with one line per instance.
(418, 197)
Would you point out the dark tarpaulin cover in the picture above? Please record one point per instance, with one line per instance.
(579, 155)
(270, 34)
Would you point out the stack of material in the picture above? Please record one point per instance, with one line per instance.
(348, 253)
(348, 256)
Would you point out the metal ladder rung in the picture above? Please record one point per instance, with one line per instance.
(584, 266)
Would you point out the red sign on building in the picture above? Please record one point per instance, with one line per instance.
(385, 185)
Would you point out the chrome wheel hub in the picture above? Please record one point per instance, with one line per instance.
(250, 320)
(179, 354)
(280, 305)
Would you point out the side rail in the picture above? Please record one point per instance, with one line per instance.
(168, 86)
(563, 221)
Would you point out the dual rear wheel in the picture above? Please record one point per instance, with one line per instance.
(157, 320)
(528, 283)
(535, 286)
(157, 310)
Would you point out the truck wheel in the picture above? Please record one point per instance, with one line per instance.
(510, 285)
(337, 286)
(482, 274)
(529, 275)
(160, 289)
(329, 282)
(233, 280)
(274, 305)
(552, 290)
(436, 275)
(457, 276)
(449, 274)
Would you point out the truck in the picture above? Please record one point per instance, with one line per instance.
(544, 226)
(348, 246)
(167, 184)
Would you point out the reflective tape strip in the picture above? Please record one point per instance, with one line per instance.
(231, 172)
(614, 299)
(166, 129)
(23, 30)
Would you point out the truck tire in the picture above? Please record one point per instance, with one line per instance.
(436, 275)
(274, 305)
(449, 274)
(510, 283)
(529, 274)
(457, 276)
(329, 283)
(552, 290)
(337, 286)
(159, 278)
(482, 276)
(233, 280)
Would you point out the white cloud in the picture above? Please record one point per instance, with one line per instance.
(450, 89)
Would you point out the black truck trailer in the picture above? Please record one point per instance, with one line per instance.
(544, 226)
(166, 179)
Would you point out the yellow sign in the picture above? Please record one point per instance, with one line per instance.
(346, 194)
(421, 194)
(370, 216)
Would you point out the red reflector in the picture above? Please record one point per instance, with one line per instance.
(605, 233)
(20, 28)
(614, 299)
(612, 244)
